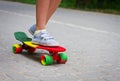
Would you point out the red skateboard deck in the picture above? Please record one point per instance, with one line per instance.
(48, 48)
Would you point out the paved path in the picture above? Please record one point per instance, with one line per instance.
(92, 41)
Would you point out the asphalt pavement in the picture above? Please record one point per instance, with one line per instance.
(92, 40)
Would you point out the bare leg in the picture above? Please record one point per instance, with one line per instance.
(42, 7)
(44, 10)
(52, 8)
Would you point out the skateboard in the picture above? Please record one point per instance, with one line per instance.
(56, 53)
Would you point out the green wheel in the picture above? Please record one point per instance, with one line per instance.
(62, 58)
(17, 48)
(46, 60)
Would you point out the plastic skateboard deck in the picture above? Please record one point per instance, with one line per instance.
(56, 55)
(48, 48)
(22, 37)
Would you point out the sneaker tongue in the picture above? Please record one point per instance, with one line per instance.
(46, 35)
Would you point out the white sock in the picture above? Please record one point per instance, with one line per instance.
(38, 31)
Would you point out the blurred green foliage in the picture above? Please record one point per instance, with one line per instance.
(110, 6)
(97, 5)
(68, 3)
(92, 4)
(26, 1)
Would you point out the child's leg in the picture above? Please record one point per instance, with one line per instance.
(42, 8)
(41, 14)
(49, 8)
(41, 36)
(52, 8)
